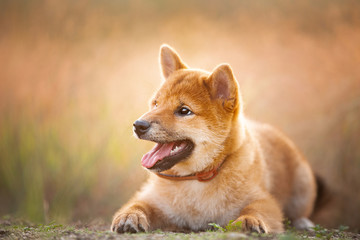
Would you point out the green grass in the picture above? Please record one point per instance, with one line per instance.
(231, 227)
(48, 171)
(15, 229)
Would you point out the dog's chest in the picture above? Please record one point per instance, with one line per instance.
(196, 204)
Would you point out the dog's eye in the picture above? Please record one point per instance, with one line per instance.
(155, 104)
(184, 111)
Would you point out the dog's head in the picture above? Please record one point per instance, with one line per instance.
(190, 116)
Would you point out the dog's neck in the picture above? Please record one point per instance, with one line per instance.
(203, 176)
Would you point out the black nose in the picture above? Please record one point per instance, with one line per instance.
(141, 127)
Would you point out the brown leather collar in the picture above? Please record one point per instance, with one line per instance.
(200, 176)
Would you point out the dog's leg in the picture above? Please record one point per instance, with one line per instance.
(303, 224)
(135, 217)
(262, 216)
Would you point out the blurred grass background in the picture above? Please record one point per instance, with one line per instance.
(74, 75)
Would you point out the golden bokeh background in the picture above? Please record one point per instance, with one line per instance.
(74, 75)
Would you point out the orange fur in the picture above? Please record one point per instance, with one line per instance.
(263, 178)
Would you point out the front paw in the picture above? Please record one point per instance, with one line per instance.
(132, 222)
(251, 224)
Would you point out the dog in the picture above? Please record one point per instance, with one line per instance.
(210, 163)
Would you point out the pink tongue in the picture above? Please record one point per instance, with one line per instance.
(156, 154)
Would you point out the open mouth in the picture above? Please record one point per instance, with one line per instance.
(165, 155)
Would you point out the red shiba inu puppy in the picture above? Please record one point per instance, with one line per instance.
(210, 164)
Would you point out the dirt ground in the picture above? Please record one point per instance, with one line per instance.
(20, 229)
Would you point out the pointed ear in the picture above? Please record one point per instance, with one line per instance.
(223, 85)
(169, 61)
